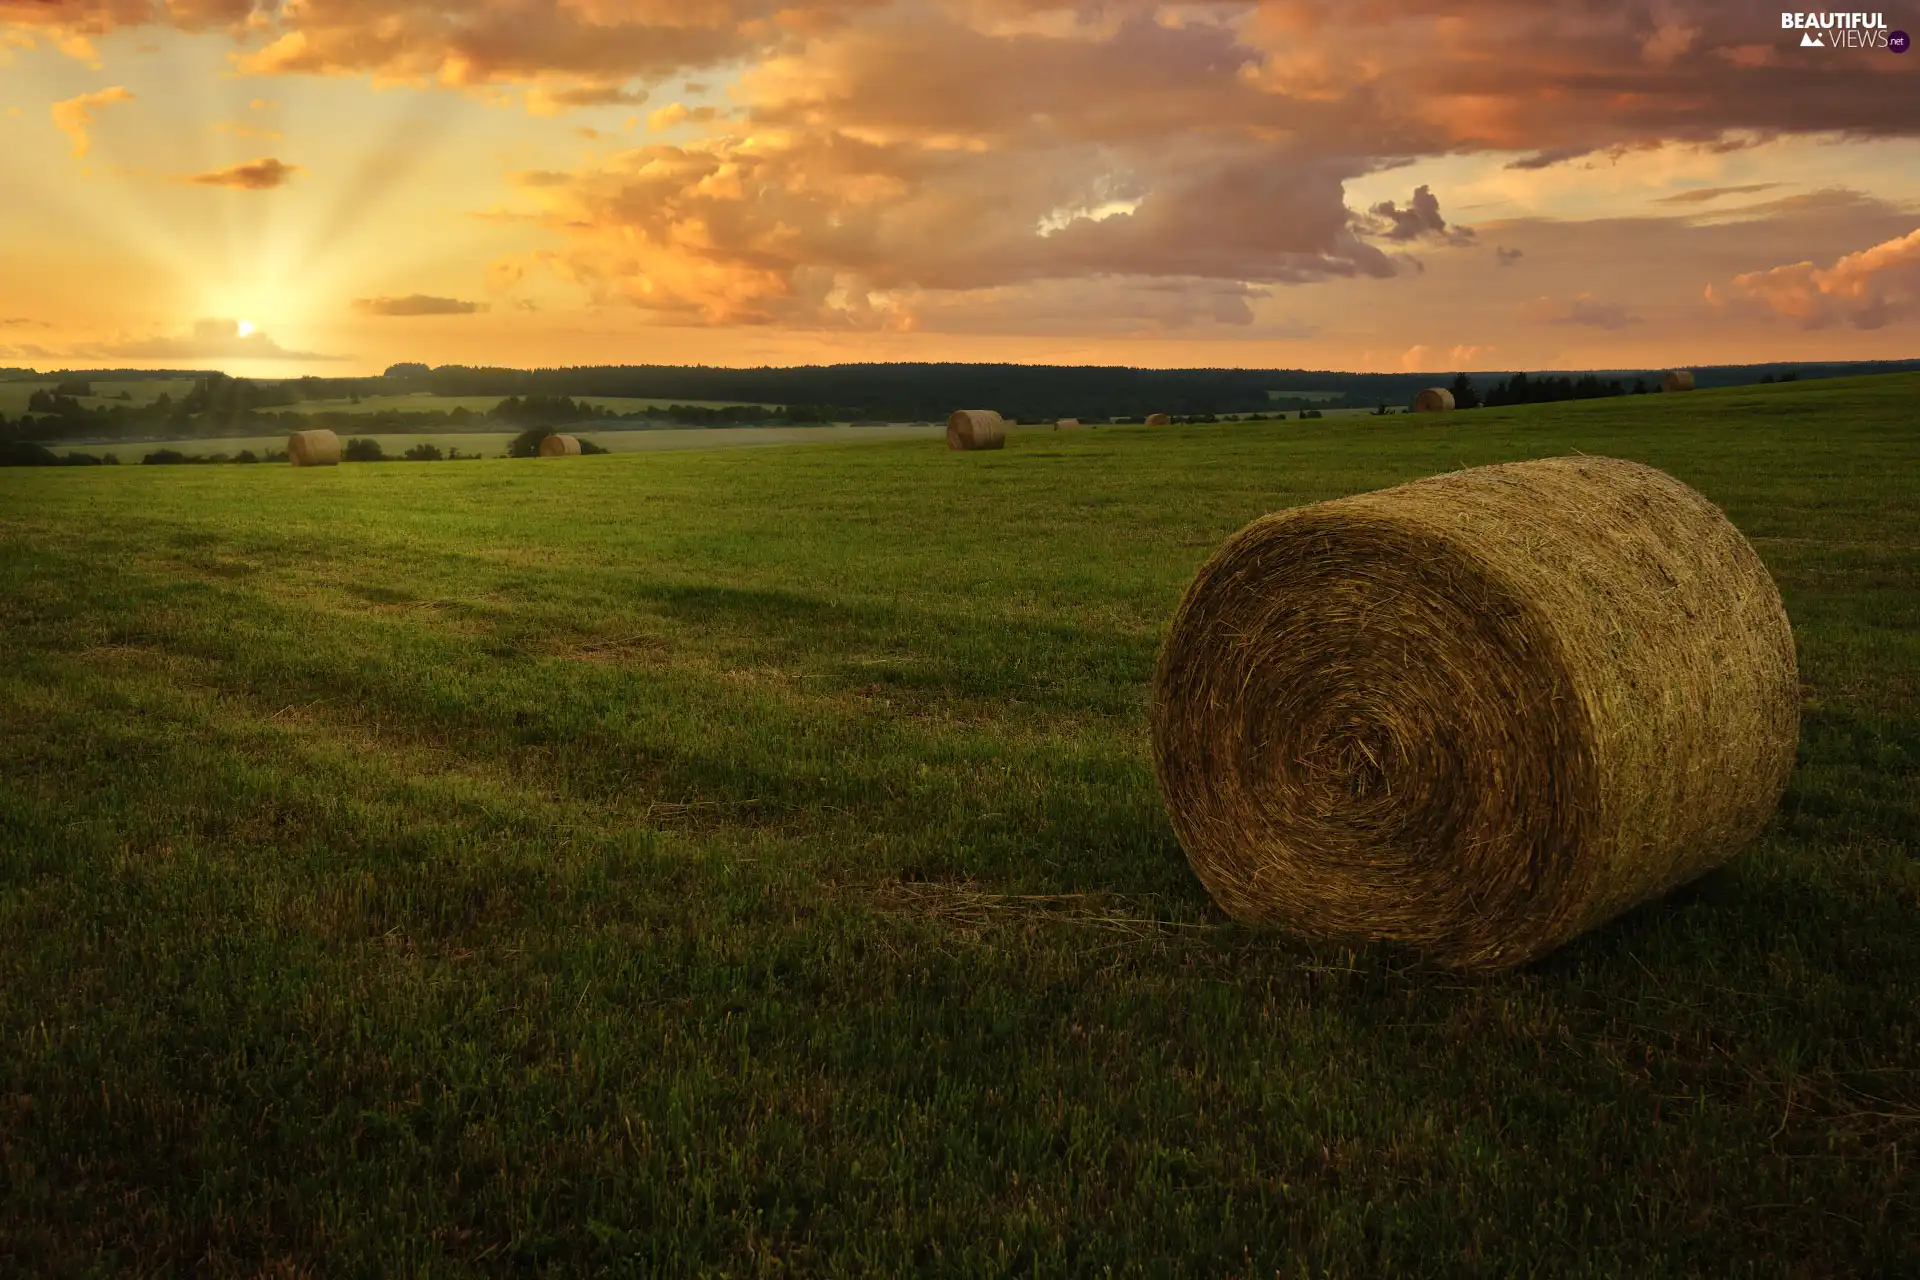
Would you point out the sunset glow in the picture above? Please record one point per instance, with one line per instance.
(1280, 184)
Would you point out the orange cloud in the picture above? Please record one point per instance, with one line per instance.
(416, 304)
(930, 166)
(1701, 195)
(214, 339)
(1581, 309)
(677, 112)
(74, 116)
(1868, 289)
(253, 175)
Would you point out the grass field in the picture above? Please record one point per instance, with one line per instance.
(749, 862)
(425, 402)
(493, 444)
(14, 397)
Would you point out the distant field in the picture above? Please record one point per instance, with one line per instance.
(422, 403)
(749, 862)
(14, 395)
(493, 444)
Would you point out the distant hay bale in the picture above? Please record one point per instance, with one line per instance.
(1433, 400)
(1067, 424)
(316, 448)
(1158, 419)
(1677, 380)
(1477, 714)
(976, 429)
(558, 446)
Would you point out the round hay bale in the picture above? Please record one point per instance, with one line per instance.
(1158, 419)
(1477, 714)
(1067, 424)
(1677, 380)
(559, 446)
(316, 448)
(976, 429)
(1433, 400)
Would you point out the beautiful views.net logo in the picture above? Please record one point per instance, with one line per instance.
(1844, 31)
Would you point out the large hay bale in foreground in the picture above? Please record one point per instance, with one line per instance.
(1433, 400)
(1477, 714)
(1677, 380)
(1158, 419)
(559, 446)
(976, 429)
(1067, 424)
(316, 448)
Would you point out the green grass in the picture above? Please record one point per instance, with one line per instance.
(749, 861)
(493, 444)
(14, 395)
(426, 402)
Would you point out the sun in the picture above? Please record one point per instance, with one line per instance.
(246, 328)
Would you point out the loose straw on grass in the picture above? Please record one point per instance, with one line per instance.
(1477, 714)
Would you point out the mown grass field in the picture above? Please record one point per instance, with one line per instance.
(749, 862)
(15, 394)
(493, 444)
(426, 402)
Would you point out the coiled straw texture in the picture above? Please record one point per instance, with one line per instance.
(976, 429)
(1477, 714)
(318, 447)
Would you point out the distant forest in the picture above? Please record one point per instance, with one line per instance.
(218, 404)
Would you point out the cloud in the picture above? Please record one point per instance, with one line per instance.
(1111, 306)
(1414, 359)
(241, 130)
(543, 101)
(253, 175)
(74, 116)
(1668, 42)
(1580, 310)
(1505, 256)
(77, 19)
(675, 113)
(416, 304)
(877, 161)
(879, 170)
(214, 339)
(571, 53)
(1868, 290)
(28, 350)
(504, 273)
(1465, 356)
(1420, 218)
(1700, 195)
(22, 322)
(1550, 157)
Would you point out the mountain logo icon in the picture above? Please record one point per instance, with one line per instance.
(1812, 41)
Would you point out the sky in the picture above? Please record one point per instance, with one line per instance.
(331, 186)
